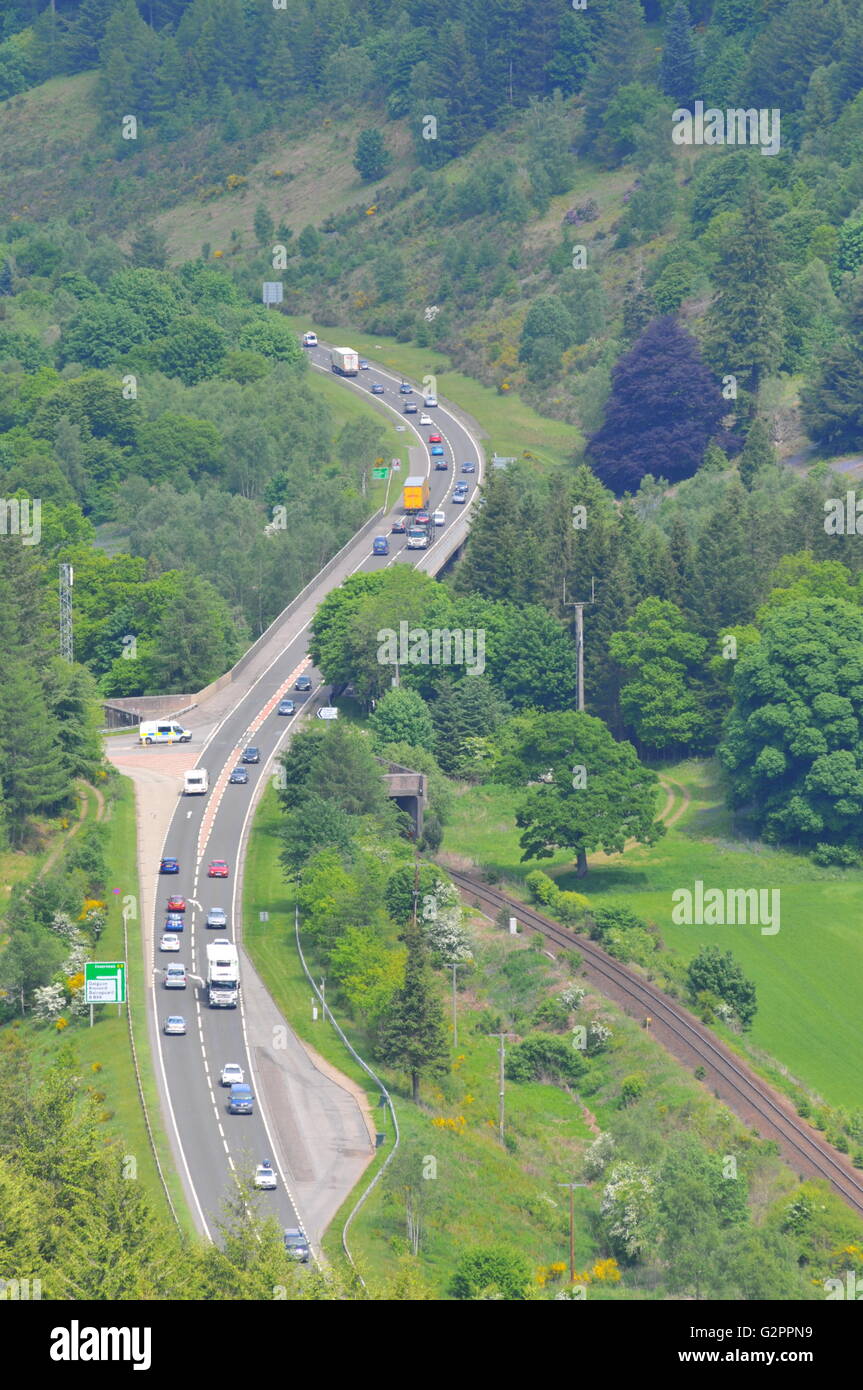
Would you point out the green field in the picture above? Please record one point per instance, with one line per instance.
(807, 974)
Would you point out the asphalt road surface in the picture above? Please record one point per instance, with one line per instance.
(303, 1122)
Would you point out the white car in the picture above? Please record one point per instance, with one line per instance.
(175, 976)
(310, 340)
(265, 1177)
(231, 1074)
(439, 518)
(426, 420)
(175, 1024)
(170, 942)
(430, 402)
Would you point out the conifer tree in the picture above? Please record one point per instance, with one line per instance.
(679, 57)
(411, 1034)
(758, 452)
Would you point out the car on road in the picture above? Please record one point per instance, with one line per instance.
(169, 865)
(437, 451)
(426, 419)
(296, 1245)
(439, 518)
(422, 519)
(380, 546)
(303, 683)
(251, 755)
(399, 526)
(430, 402)
(239, 776)
(218, 869)
(410, 408)
(231, 1074)
(175, 976)
(364, 366)
(176, 904)
(377, 388)
(217, 917)
(406, 389)
(418, 538)
(265, 1178)
(310, 340)
(459, 495)
(175, 1023)
(241, 1101)
(441, 465)
(174, 922)
(469, 467)
(169, 942)
(286, 707)
(435, 438)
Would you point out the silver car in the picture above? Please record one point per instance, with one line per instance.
(175, 1024)
(217, 917)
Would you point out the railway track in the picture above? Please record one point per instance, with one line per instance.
(692, 1043)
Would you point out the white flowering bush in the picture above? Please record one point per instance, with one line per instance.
(572, 996)
(444, 925)
(598, 1156)
(49, 1001)
(63, 925)
(629, 1207)
(79, 952)
(598, 1038)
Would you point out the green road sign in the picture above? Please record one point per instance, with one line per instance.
(380, 472)
(105, 982)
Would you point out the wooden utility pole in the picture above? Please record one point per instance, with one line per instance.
(500, 1109)
(578, 605)
(572, 1186)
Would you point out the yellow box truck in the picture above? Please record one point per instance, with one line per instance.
(416, 494)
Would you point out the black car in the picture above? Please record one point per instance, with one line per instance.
(441, 465)
(469, 467)
(377, 388)
(303, 683)
(286, 707)
(296, 1245)
(405, 389)
(251, 755)
(399, 527)
(239, 775)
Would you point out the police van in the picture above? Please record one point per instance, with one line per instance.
(162, 731)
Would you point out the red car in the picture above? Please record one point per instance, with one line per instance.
(176, 905)
(218, 869)
(435, 439)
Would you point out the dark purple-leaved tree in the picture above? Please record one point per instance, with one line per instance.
(664, 407)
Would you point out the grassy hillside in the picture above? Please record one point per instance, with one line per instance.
(807, 974)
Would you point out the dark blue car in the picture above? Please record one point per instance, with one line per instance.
(169, 866)
(380, 546)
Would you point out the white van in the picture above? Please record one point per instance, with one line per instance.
(196, 782)
(162, 731)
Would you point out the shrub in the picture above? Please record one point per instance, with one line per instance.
(543, 1058)
(492, 1271)
(844, 855)
(552, 1014)
(631, 1088)
(542, 888)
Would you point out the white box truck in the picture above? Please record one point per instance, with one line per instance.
(345, 361)
(162, 731)
(196, 782)
(223, 975)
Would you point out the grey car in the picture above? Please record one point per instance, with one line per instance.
(296, 1245)
(217, 917)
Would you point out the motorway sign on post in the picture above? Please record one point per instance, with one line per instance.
(104, 983)
(328, 712)
(380, 472)
(274, 292)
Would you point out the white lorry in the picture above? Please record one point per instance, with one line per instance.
(223, 975)
(344, 361)
(196, 782)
